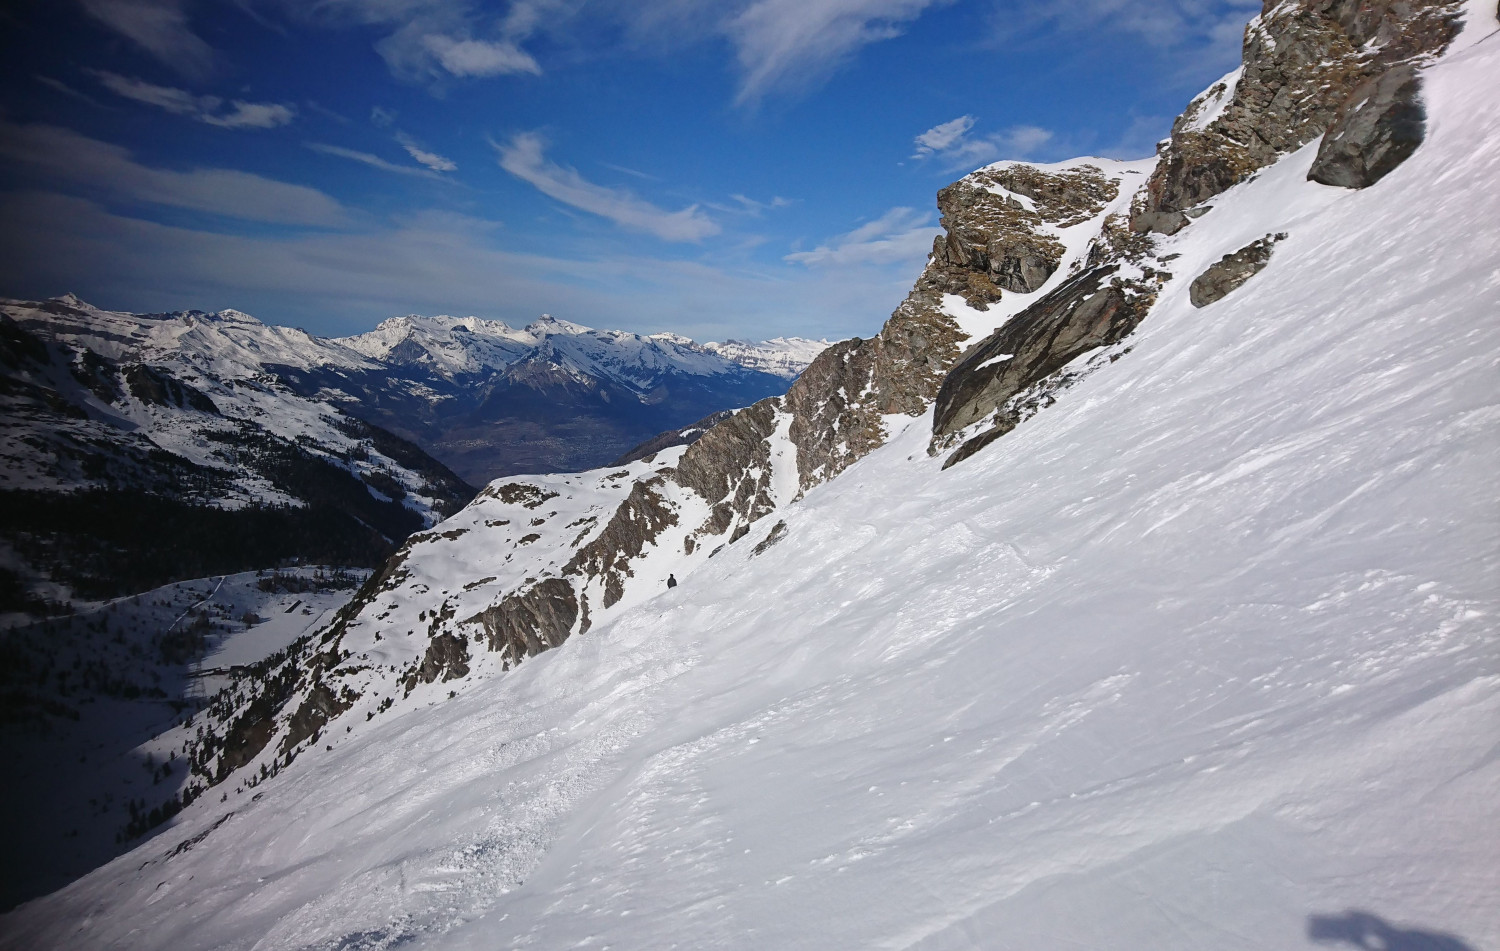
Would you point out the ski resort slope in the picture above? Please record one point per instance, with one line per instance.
(1201, 655)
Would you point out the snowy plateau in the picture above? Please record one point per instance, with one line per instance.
(1067, 612)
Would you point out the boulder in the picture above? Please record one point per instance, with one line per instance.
(1378, 128)
(1231, 271)
(1085, 313)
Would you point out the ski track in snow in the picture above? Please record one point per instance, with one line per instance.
(1203, 650)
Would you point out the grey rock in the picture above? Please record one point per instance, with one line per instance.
(637, 522)
(447, 658)
(1302, 59)
(1232, 270)
(1378, 128)
(996, 235)
(527, 623)
(1087, 312)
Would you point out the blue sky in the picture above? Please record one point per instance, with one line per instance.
(740, 168)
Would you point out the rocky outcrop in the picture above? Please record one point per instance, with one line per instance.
(991, 232)
(730, 468)
(527, 623)
(1087, 312)
(638, 522)
(320, 706)
(1302, 61)
(447, 658)
(1377, 129)
(1232, 270)
(160, 389)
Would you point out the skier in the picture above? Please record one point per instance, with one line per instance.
(671, 581)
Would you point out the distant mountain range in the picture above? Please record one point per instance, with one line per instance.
(491, 400)
(134, 445)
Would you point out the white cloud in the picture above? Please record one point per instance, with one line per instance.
(160, 28)
(343, 282)
(783, 45)
(432, 160)
(525, 157)
(438, 40)
(943, 136)
(374, 161)
(1201, 35)
(468, 57)
(900, 235)
(209, 109)
(951, 144)
(61, 154)
(749, 206)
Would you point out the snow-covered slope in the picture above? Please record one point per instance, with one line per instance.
(1200, 654)
(87, 697)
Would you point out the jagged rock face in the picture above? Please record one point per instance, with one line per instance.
(1231, 271)
(321, 705)
(999, 237)
(447, 658)
(730, 468)
(1083, 314)
(526, 624)
(638, 521)
(1302, 60)
(1377, 129)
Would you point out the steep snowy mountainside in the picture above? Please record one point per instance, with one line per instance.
(534, 581)
(1201, 655)
(1303, 63)
(87, 694)
(783, 356)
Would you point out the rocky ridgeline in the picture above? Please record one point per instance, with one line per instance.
(535, 561)
(1303, 61)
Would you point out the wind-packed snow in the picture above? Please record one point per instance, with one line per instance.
(1200, 653)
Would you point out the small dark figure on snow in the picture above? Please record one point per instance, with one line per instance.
(671, 581)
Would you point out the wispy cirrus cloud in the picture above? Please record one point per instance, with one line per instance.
(900, 235)
(466, 56)
(951, 143)
(524, 156)
(429, 262)
(433, 41)
(160, 27)
(431, 160)
(63, 156)
(787, 45)
(374, 161)
(212, 110)
(1197, 33)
